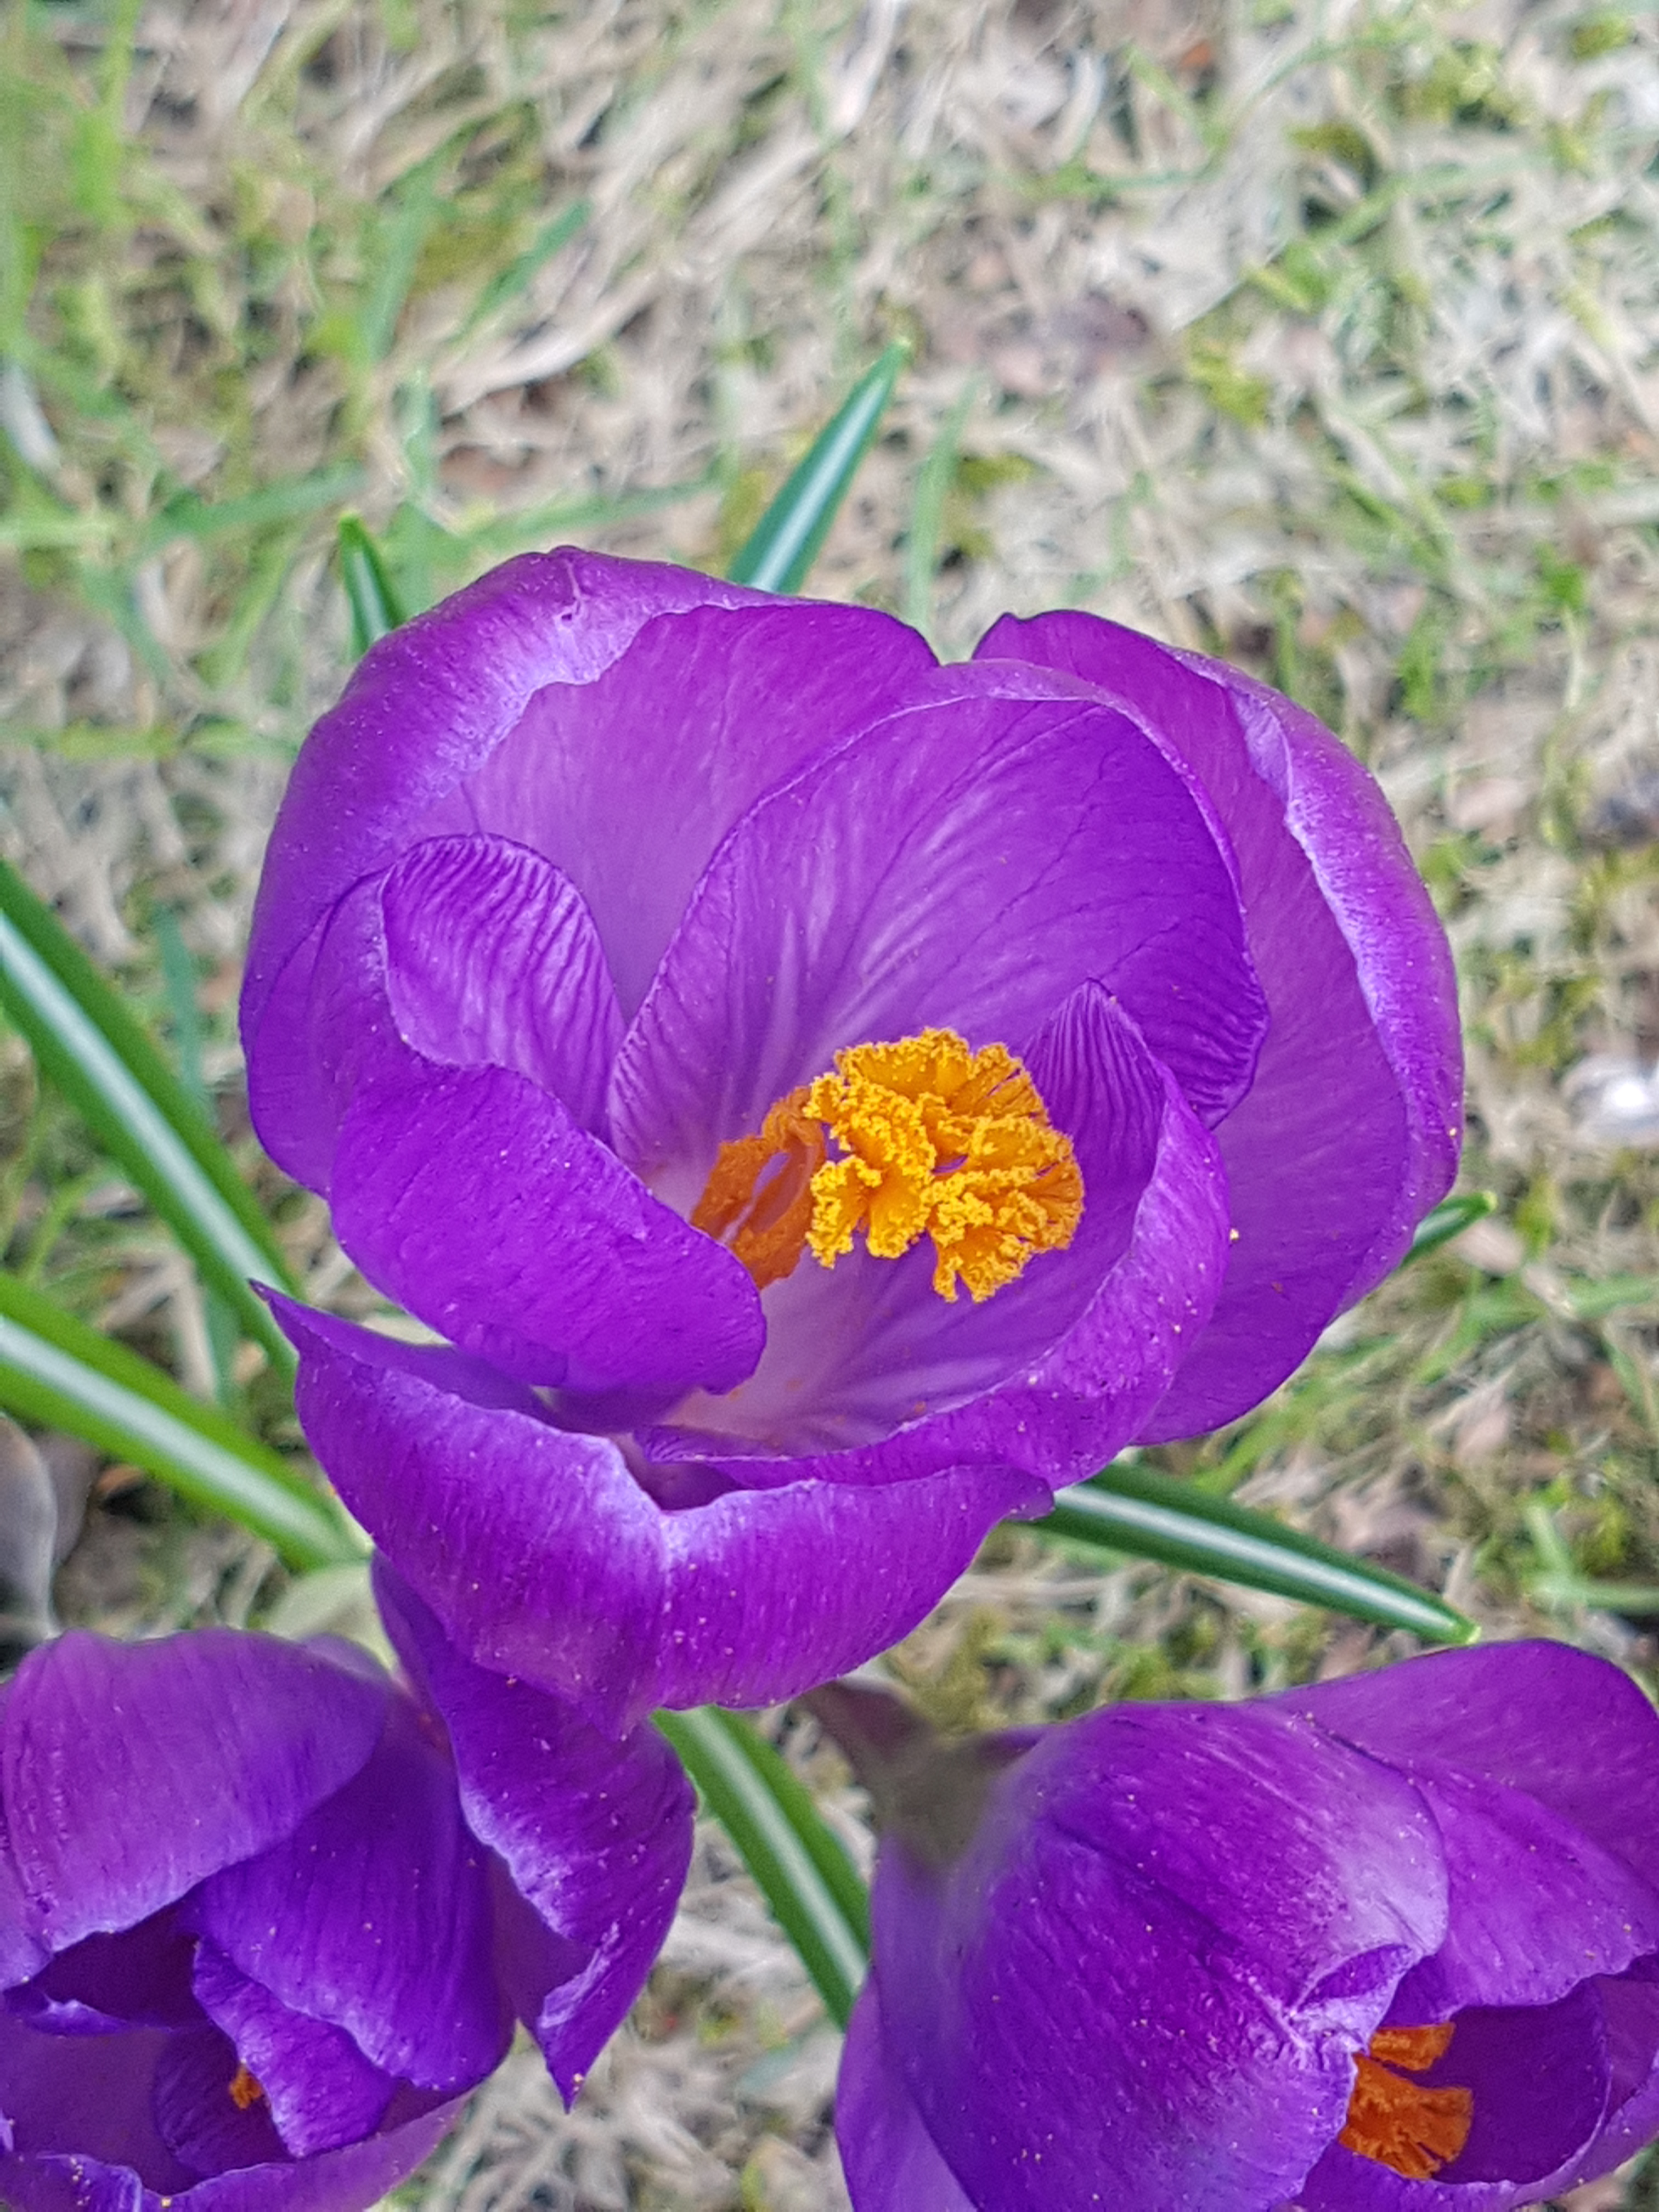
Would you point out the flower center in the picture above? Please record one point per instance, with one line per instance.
(245, 2089)
(936, 1141)
(1401, 2124)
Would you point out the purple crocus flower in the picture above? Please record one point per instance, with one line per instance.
(825, 1100)
(265, 1919)
(1389, 1944)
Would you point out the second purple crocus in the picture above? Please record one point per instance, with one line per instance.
(264, 1917)
(1389, 1944)
(824, 1101)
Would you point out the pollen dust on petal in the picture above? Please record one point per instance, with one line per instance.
(246, 2090)
(1401, 2124)
(936, 1139)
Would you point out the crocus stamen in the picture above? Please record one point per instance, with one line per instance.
(937, 1140)
(1399, 2123)
(772, 1218)
(246, 2089)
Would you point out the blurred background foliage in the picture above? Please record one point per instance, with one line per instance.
(1325, 337)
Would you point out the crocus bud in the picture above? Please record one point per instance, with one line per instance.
(1389, 1944)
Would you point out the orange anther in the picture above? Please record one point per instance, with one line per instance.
(1403, 2124)
(245, 2089)
(936, 1141)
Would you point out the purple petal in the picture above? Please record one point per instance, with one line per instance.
(1571, 1731)
(88, 2095)
(205, 2127)
(597, 1835)
(616, 716)
(1535, 1906)
(470, 1193)
(473, 1198)
(73, 2184)
(917, 876)
(374, 1916)
(472, 951)
(1246, 1903)
(103, 1751)
(493, 960)
(544, 1559)
(320, 2090)
(771, 1592)
(1632, 2010)
(1540, 2076)
(348, 2180)
(1054, 1373)
(1351, 1127)
(138, 1977)
(891, 2161)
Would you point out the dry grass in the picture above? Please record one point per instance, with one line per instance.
(1323, 336)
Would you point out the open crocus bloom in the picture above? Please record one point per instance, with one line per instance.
(825, 1101)
(1389, 1944)
(264, 1918)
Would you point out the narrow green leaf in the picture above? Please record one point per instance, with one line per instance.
(179, 976)
(375, 608)
(1154, 1516)
(397, 241)
(1565, 1593)
(1449, 1219)
(507, 283)
(933, 481)
(57, 1371)
(142, 1116)
(287, 500)
(787, 538)
(804, 1874)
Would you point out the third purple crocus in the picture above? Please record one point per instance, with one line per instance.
(823, 1101)
(1389, 1944)
(266, 1916)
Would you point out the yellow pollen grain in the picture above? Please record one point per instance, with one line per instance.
(245, 2089)
(935, 1141)
(1404, 2125)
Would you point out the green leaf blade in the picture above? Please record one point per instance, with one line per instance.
(801, 1867)
(787, 537)
(57, 1371)
(373, 597)
(88, 1044)
(1449, 1219)
(1155, 1516)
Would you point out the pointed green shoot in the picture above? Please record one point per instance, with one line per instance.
(370, 593)
(800, 1866)
(57, 1371)
(141, 1114)
(1154, 1516)
(1449, 1219)
(788, 536)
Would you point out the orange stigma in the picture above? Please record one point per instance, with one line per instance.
(245, 2089)
(936, 1141)
(1402, 2124)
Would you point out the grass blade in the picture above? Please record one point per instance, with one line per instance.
(56, 1371)
(933, 481)
(804, 1875)
(507, 284)
(1449, 1219)
(1155, 1516)
(370, 594)
(90, 1045)
(787, 538)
